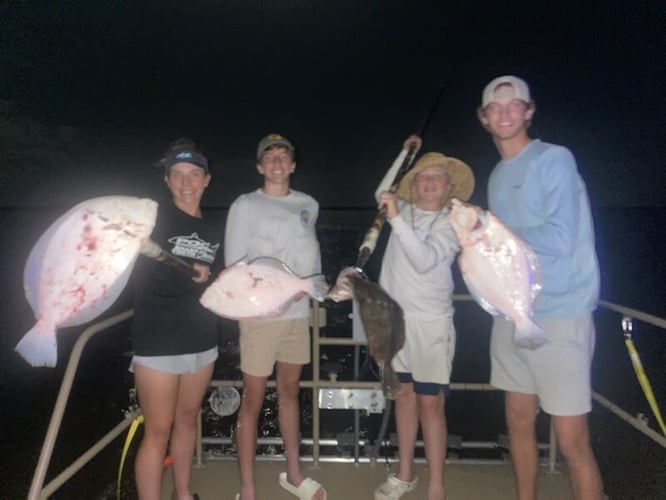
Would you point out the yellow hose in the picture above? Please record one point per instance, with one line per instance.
(128, 440)
(645, 383)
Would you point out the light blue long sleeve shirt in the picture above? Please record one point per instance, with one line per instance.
(541, 196)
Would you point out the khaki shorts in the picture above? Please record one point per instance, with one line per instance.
(558, 372)
(428, 351)
(263, 342)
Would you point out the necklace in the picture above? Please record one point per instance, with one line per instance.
(432, 222)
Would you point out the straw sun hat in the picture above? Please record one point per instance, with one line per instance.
(461, 177)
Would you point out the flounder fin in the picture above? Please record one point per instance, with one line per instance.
(317, 287)
(273, 263)
(38, 347)
(240, 262)
(487, 306)
(529, 335)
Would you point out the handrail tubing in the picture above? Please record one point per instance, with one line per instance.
(628, 311)
(38, 491)
(91, 453)
(61, 401)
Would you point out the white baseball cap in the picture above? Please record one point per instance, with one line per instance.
(518, 90)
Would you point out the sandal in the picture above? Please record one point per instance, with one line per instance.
(305, 491)
(394, 488)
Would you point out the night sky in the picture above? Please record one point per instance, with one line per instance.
(110, 84)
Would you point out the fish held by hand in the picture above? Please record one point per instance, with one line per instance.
(263, 288)
(500, 270)
(382, 319)
(79, 267)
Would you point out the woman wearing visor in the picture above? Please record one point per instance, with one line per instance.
(174, 337)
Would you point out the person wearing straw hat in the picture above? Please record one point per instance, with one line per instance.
(416, 272)
(537, 191)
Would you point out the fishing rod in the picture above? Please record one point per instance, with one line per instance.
(154, 251)
(372, 234)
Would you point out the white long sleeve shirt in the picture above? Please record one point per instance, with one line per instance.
(416, 269)
(260, 225)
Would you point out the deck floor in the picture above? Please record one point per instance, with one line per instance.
(219, 480)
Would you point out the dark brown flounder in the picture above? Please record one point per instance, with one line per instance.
(384, 325)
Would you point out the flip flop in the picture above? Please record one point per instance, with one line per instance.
(305, 491)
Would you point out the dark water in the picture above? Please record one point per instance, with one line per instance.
(630, 246)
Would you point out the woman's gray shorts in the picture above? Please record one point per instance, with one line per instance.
(178, 364)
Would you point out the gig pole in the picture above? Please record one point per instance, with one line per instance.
(372, 234)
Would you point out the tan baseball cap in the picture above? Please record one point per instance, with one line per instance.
(273, 140)
(518, 90)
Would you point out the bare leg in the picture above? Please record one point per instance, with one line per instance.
(574, 439)
(433, 427)
(183, 436)
(288, 376)
(246, 431)
(521, 420)
(158, 393)
(407, 425)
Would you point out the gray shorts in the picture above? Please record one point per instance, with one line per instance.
(427, 355)
(178, 364)
(557, 372)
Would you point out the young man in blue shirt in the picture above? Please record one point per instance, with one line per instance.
(537, 191)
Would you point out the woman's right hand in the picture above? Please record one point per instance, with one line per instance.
(204, 273)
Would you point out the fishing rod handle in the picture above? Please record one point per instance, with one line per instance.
(404, 168)
(154, 251)
(370, 239)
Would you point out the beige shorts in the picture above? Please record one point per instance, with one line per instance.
(263, 342)
(558, 372)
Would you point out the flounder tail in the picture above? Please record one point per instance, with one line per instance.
(317, 287)
(389, 380)
(38, 347)
(529, 335)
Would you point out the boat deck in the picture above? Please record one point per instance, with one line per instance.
(348, 481)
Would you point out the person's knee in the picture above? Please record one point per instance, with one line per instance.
(252, 398)
(573, 437)
(520, 418)
(574, 446)
(157, 434)
(288, 390)
(251, 403)
(430, 404)
(186, 416)
(405, 398)
(288, 386)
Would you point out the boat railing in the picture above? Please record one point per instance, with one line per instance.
(39, 491)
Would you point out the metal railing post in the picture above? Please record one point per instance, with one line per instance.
(199, 448)
(61, 401)
(357, 413)
(315, 385)
(552, 449)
